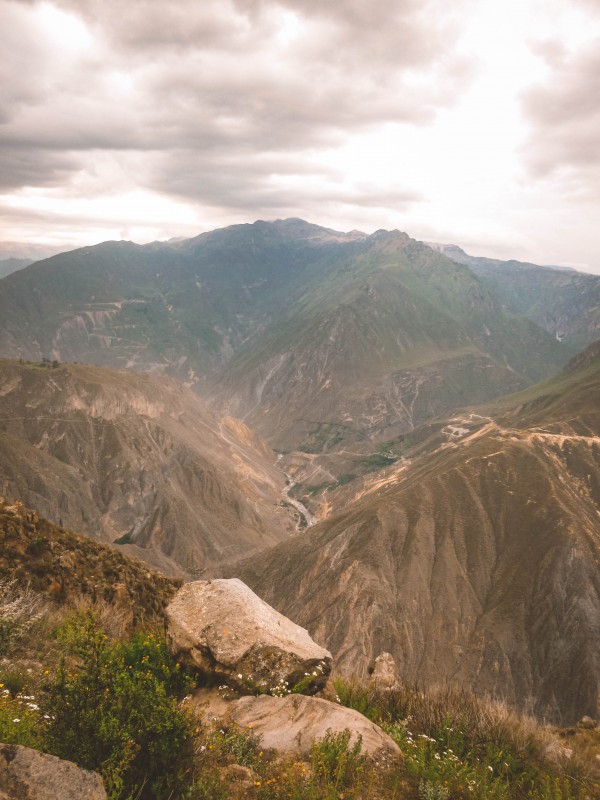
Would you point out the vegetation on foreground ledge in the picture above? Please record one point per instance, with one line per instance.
(114, 702)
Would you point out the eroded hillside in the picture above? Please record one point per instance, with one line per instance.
(476, 564)
(137, 460)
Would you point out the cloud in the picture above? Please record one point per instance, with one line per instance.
(214, 102)
(564, 116)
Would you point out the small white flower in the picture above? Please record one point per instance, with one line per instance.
(240, 677)
(16, 719)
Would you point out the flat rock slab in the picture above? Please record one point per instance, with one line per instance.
(223, 629)
(26, 774)
(293, 723)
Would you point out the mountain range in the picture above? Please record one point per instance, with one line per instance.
(395, 444)
(310, 336)
(563, 301)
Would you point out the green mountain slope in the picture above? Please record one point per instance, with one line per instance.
(564, 302)
(289, 325)
(9, 265)
(395, 336)
(475, 564)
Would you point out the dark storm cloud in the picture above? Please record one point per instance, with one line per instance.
(193, 97)
(20, 166)
(565, 117)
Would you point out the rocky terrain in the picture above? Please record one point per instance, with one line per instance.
(236, 717)
(457, 528)
(69, 569)
(476, 563)
(139, 461)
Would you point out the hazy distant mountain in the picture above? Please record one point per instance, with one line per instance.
(9, 265)
(311, 335)
(138, 460)
(563, 301)
(476, 563)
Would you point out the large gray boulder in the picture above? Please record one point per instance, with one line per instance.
(223, 629)
(26, 774)
(293, 723)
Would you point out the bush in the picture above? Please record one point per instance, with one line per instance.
(113, 708)
(20, 719)
(334, 763)
(232, 743)
(20, 609)
(456, 744)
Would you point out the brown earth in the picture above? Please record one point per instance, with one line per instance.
(139, 460)
(476, 564)
(67, 568)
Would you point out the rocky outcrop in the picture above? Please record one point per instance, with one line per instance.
(293, 723)
(223, 629)
(72, 569)
(383, 674)
(26, 774)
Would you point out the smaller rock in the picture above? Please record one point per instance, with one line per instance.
(227, 632)
(587, 723)
(384, 674)
(293, 723)
(26, 774)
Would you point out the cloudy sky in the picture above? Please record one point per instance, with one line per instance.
(475, 122)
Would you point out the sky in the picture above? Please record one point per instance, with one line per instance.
(475, 122)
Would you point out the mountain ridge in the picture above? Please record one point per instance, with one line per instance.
(244, 313)
(563, 301)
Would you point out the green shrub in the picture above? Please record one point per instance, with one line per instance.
(359, 697)
(15, 681)
(20, 719)
(112, 708)
(457, 743)
(336, 764)
(20, 609)
(232, 743)
(433, 791)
